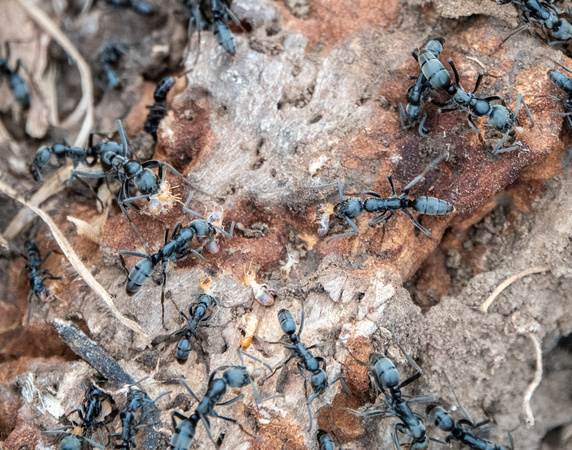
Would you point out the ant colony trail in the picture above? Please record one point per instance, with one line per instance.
(278, 224)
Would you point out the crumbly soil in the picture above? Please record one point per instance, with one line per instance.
(311, 78)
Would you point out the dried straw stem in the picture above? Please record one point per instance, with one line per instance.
(75, 261)
(501, 287)
(84, 108)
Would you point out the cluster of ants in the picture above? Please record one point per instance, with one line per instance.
(138, 182)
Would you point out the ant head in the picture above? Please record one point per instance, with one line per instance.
(183, 350)
(435, 46)
(287, 322)
(319, 381)
(384, 370)
(440, 417)
(236, 377)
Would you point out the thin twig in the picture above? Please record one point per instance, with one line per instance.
(75, 261)
(528, 416)
(501, 287)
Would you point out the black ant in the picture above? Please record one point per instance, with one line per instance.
(565, 83)
(136, 398)
(316, 365)
(140, 8)
(233, 377)
(441, 418)
(416, 94)
(36, 275)
(197, 317)
(90, 409)
(128, 171)
(158, 110)
(353, 207)
(385, 378)
(77, 155)
(326, 441)
(175, 249)
(498, 116)
(16, 83)
(216, 16)
(546, 14)
(72, 441)
(108, 57)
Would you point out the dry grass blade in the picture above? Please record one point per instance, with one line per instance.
(84, 108)
(85, 105)
(52, 186)
(506, 283)
(75, 261)
(528, 416)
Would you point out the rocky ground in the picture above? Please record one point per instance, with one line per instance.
(311, 97)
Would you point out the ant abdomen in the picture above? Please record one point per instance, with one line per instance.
(432, 206)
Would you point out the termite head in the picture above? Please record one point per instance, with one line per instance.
(248, 324)
(250, 277)
(326, 208)
(259, 290)
(206, 284)
(211, 244)
(163, 201)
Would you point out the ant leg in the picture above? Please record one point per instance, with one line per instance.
(184, 383)
(422, 130)
(500, 143)
(375, 194)
(494, 97)
(179, 416)
(75, 174)
(399, 427)
(351, 233)
(452, 64)
(446, 110)
(136, 198)
(360, 362)
(391, 184)
(172, 169)
(402, 117)
(414, 54)
(478, 82)
(419, 177)
(302, 317)
(279, 367)
(242, 352)
(231, 401)
(381, 218)
(465, 412)
(417, 224)
(188, 210)
(436, 103)
(518, 30)
(123, 138)
(164, 273)
(236, 422)
(29, 306)
(476, 128)
(120, 203)
(207, 425)
(335, 183)
(519, 101)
